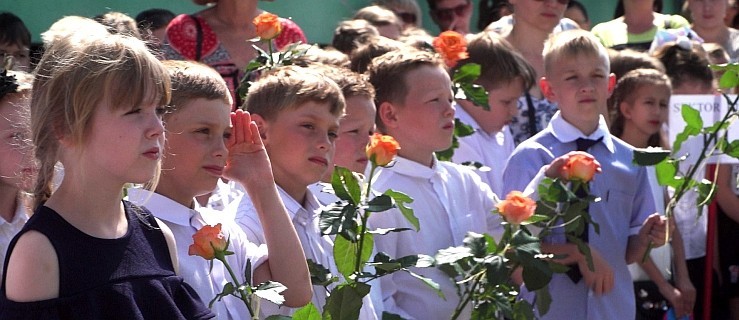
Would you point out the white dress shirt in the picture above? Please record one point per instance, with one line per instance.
(196, 271)
(449, 200)
(8, 229)
(316, 247)
(491, 150)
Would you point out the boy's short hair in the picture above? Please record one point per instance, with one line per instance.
(626, 60)
(14, 31)
(350, 33)
(315, 54)
(684, 64)
(572, 43)
(352, 84)
(387, 74)
(499, 61)
(119, 23)
(362, 56)
(288, 88)
(193, 80)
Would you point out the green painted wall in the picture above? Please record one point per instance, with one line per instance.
(317, 17)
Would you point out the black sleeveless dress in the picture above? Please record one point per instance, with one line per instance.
(130, 277)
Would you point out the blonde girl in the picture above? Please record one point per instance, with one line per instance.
(96, 108)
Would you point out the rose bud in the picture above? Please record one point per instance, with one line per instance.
(207, 241)
(516, 207)
(382, 149)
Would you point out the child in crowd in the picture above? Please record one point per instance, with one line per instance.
(577, 77)
(201, 146)
(506, 76)
(414, 102)
(119, 23)
(641, 100)
(687, 67)
(15, 41)
(624, 61)
(362, 56)
(351, 33)
(17, 168)
(387, 23)
(152, 25)
(297, 111)
(85, 253)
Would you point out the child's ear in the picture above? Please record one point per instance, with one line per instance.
(387, 113)
(261, 125)
(611, 83)
(625, 109)
(546, 89)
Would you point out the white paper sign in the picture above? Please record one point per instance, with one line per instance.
(712, 108)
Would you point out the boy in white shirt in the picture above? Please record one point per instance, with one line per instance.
(505, 75)
(414, 100)
(298, 111)
(201, 147)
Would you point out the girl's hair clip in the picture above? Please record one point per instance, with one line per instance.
(8, 83)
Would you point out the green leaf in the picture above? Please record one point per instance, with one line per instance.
(732, 149)
(247, 272)
(729, 79)
(281, 317)
(320, 275)
(380, 203)
(693, 126)
(474, 165)
(384, 231)
(308, 312)
(390, 316)
(477, 244)
(345, 185)
(345, 255)
(428, 282)
(271, 291)
(476, 94)
(523, 310)
(666, 173)
(462, 129)
(706, 192)
(339, 218)
(496, 271)
(345, 301)
(452, 255)
(401, 199)
(468, 73)
(536, 272)
(650, 156)
(584, 249)
(543, 300)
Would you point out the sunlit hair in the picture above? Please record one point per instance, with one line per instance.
(80, 28)
(119, 23)
(315, 54)
(378, 16)
(625, 91)
(193, 80)
(352, 84)
(500, 63)
(74, 78)
(351, 33)
(290, 87)
(17, 103)
(387, 73)
(410, 6)
(362, 56)
(570, 44)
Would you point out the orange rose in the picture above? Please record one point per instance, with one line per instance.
(382, 149)
(268, 26)
(580, 167)
(207, 241)
(452, 46)
(516, 207)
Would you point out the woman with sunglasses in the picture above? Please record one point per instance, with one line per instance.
(223, 29)
(534, 20)
(635, 29)
(451, 14)
(407, 10)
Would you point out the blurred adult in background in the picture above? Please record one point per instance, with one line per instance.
(407, 10)
(635, 23)
(152, 24)
(708, 22)
(218, 36)
(576, 12)
(491, 11)
(385, 20)
(15, 42)
(451, 14)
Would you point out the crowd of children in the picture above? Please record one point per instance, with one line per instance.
(127, 136)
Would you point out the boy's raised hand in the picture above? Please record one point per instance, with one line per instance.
(654, 230)
(247, 158)
(555, 169)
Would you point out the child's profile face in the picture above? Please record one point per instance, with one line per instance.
(646, 111)
(17, 168)
(503, 102)
(300, 144)
(425, 121)
(195, 150)
(580, 85)
(123, 145)
(355, 129)
(21, 56)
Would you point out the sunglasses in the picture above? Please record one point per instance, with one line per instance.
(407, 17)
(448, 14)
(564, 2)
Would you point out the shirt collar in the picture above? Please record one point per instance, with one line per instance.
(162, 207)
(566, 132)
(294, 207)
(414, 169)
(21, 214)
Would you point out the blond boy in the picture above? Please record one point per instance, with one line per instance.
(414, 101)
(578, 78)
